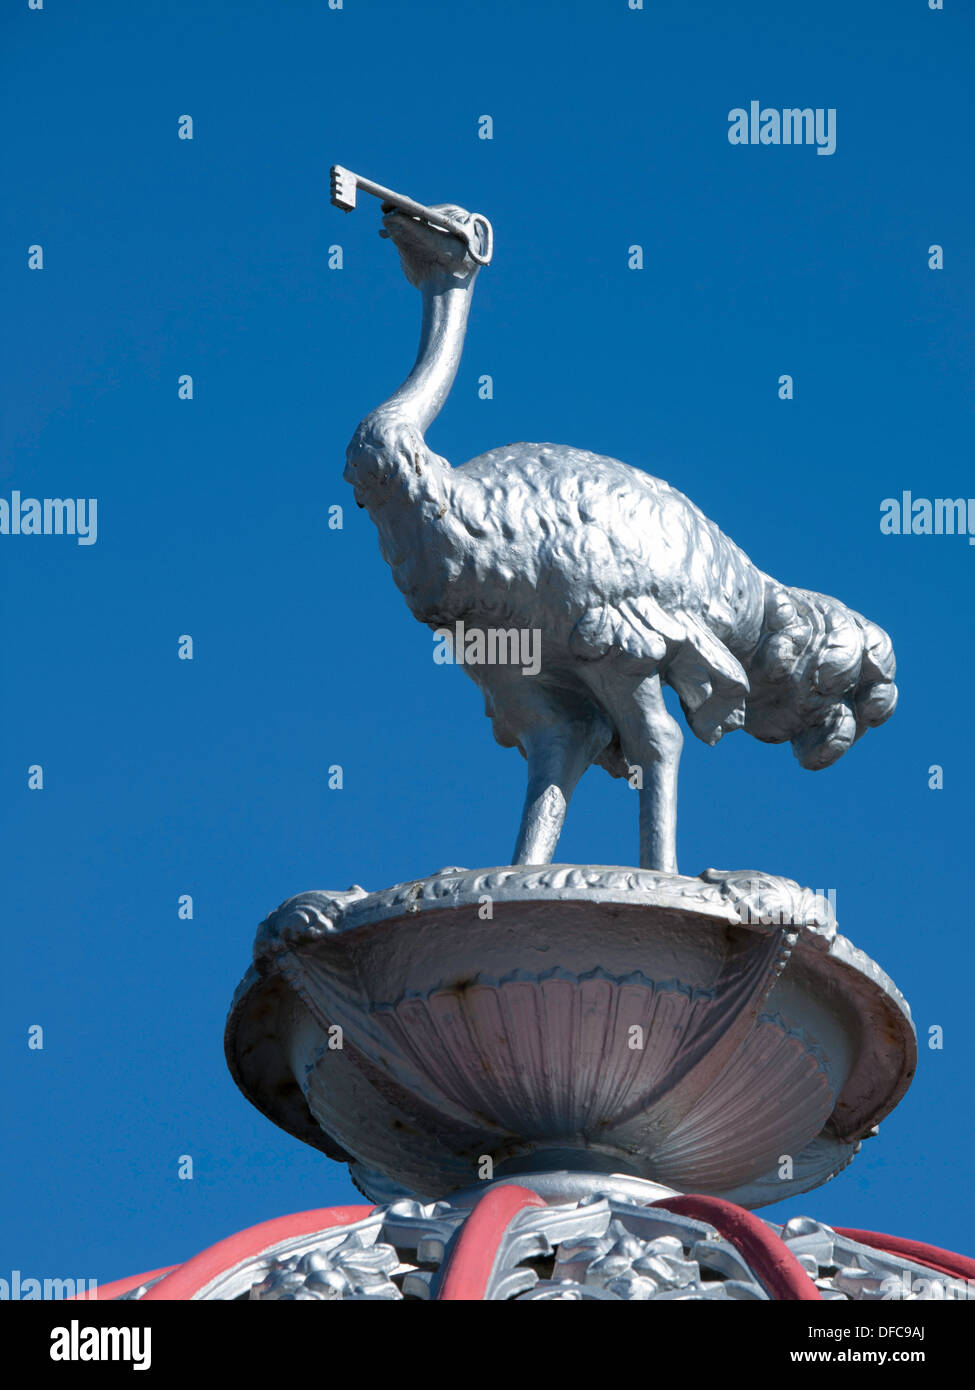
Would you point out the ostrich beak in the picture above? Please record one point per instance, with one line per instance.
(478, 235)
(385, 208)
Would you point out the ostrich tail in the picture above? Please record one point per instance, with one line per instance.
(875, 697)
(821, 675)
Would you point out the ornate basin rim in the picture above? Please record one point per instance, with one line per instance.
(758, 902)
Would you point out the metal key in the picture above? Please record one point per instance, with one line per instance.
(345, 184)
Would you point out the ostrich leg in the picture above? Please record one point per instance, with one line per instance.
(557, 758)
(652, 740)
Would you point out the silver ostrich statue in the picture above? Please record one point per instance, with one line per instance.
(629, 583)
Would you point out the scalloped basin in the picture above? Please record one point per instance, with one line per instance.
(617, 1019)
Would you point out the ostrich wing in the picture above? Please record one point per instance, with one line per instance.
(648, 575)
(710, 681)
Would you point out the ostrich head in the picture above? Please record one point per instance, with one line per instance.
(427, 251)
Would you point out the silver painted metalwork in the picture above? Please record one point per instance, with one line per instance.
(844, 1269)
(404, 1032)
(474, 230)
(355, 1268)
(596, 1251)
(628, 585)
(559, 1186)
(604, 1034)
(392, 1245)
(600, 1247)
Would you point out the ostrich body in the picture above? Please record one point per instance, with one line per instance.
(630, 585)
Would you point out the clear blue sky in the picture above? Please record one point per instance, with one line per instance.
(163, 777)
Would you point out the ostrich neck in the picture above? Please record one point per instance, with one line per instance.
(446, 305)
(401, 483)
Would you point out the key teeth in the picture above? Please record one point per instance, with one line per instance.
(343, 188)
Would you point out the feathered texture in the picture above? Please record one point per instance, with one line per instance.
(627, 582)
(616, 566)
(820, 676)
